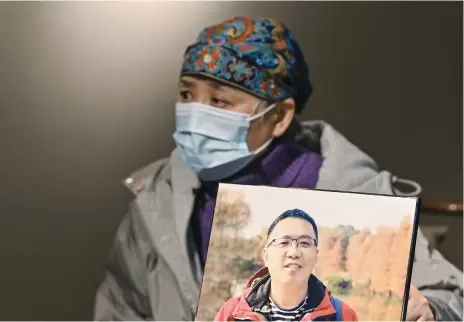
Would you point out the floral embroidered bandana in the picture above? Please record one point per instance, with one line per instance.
(257, 55)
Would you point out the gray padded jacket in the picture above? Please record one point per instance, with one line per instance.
(154, 271)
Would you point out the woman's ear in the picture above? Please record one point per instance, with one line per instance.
(283, 116)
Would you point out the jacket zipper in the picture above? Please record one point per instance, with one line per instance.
(260, 316)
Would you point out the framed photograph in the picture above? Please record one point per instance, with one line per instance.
(293, 254)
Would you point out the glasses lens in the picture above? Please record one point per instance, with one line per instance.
(306, 242)
(283, 242)
(286, 242)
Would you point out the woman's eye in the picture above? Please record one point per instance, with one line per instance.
(185, 95)
(219, 103)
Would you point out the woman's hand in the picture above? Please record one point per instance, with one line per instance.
(418, 307)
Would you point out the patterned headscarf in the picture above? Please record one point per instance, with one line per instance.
(257, 55)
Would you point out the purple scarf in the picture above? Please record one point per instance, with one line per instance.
(288, 164)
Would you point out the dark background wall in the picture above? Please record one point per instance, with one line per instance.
(87, 92)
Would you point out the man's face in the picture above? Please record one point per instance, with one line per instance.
(209, 92)
(287, 262)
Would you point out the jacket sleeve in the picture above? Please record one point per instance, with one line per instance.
(123, 294)
(438, 280)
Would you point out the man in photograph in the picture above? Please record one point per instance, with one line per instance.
(241, 85)
(285, 289)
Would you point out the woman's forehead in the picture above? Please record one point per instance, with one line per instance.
(206, 84)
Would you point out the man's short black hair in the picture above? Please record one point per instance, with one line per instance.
(294, 213)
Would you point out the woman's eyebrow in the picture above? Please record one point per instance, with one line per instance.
(224, 88)
(186, 83)
(216, 85)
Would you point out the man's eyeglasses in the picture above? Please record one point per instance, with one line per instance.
(305, 242)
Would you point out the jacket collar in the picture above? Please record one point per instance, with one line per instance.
(256, 295)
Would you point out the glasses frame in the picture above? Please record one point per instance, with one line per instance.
(297, 240)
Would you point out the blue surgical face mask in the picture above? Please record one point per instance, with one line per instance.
(213, 141)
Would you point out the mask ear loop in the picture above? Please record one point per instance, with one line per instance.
(256, 116)
(415, 185)
(260, 114)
